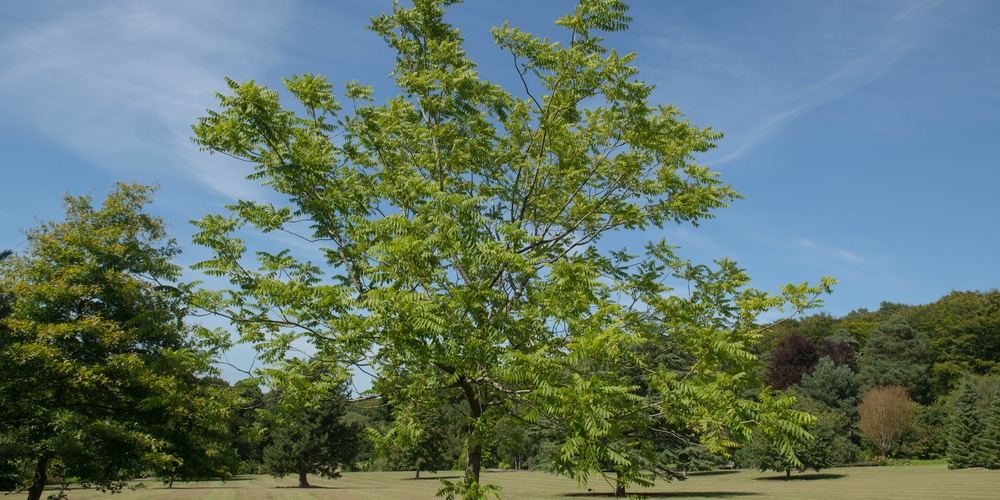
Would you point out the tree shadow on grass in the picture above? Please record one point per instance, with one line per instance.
(803, 477)
(712, 473)
(314, 487)
(672, 494)
(189, 487)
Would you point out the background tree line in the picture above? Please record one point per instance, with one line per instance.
(904, 381)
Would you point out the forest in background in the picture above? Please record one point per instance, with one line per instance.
(832, 365)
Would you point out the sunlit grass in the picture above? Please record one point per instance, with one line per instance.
(910, 482)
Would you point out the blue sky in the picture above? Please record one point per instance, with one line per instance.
(863, 134)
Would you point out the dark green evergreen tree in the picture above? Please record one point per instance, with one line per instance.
(991, 438)
(313, 439)
(895, 354)
(832, 387)
(965, 430)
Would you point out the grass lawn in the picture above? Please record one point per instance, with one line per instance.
(902, 482)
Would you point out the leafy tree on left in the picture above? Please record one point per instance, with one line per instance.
(96, 364)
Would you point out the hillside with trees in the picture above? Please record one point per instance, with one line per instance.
(897, 374)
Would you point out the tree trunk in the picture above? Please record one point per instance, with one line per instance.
(38, 482)
(303, 482)
(473, 460)
(619, 487)
(473, 450)
(417, 476)
(788, 474)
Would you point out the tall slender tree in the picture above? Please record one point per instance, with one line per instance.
(965, 430)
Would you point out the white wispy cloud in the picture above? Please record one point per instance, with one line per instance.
(754, 90)
(119, 83)
(813, 251)
(898, 36)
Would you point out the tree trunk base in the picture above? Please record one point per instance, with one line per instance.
(38, 482)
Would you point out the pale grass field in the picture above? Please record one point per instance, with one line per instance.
(903, 482)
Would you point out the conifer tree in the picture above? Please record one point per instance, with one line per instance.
(312, 438)
(991, 438)
(895, 354)
(965, 430)
(834, 387)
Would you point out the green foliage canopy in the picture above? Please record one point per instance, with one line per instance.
(462, 228)
(97, 369)
(895, 354)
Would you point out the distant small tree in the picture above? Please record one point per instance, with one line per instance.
(965, 430)
(515, 442)
(418, 439)
(885, 416)
(310, 435)
(818, 453)
(794, 356)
